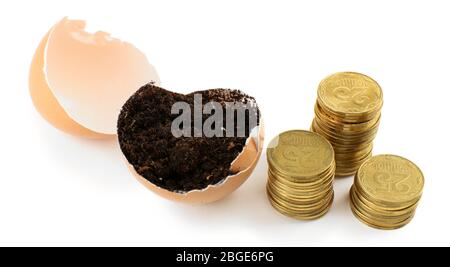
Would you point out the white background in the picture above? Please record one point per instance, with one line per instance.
(56, 189)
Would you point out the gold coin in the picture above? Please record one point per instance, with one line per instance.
(300, 153)
(301, 174)
(300, 207)
(376, 224)
(390, 179)
(350, 93)
(345, 135)
(386, 192)
(299, 198)
(299, 214)
(355, 156)
(347, 114)
(299, 192)
(382, 204)
(302, 182)
(343, 143)
(379, 212)
(337, 124)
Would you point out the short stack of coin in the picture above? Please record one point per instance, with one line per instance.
(347, 113)
(386, 192)
(301, 174)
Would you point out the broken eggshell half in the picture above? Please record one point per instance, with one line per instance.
(79, 81)
(240, 168)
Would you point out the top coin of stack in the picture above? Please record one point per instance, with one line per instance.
(386, 191)
(347, 113)
(301, 174)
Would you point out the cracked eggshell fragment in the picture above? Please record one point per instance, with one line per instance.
(79, 81)
(243, 166)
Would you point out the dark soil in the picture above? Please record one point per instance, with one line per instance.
(177, 164)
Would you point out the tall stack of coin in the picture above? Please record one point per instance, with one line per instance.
(301, 174)
(347, 113)
(386, 192)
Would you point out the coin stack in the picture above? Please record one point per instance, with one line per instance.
(301, 174)
(386, 192)
(347, 113)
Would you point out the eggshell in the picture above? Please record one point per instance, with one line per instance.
(245, 162)
(79, 81)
